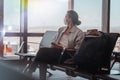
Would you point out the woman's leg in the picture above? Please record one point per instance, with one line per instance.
(65, 56)
(30, 68)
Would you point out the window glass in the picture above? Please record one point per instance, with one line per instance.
(89, 13)
(115, 21)
(12, 15)
(11, 45)
(115, 16)
(33, 43)
(46, 14)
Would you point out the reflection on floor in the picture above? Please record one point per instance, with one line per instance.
(59, 75)
(116, 68)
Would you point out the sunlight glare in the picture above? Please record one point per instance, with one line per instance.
(9, 28)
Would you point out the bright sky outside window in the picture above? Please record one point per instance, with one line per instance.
(115, 16)
(46, 14)
(90, 13)
(12, 15)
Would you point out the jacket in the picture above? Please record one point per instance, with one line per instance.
(75, 37)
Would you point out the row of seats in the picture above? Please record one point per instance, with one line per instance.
(71, 70)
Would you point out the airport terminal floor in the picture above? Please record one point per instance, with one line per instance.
(12, 73)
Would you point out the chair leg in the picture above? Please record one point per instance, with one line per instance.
(112, 64)
(42, 71)
(26, 68)
(49, 74)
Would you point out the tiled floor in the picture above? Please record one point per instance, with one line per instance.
(116, 68)
(59, 75)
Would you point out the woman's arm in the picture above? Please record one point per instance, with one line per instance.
(54, 45)
(79, 39)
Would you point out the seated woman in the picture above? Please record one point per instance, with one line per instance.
(68, 37)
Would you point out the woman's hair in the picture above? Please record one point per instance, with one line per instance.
(74, 16)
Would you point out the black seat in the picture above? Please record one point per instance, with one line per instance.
(101, 58)
(105, 68)
(107, 62)
(44, 43)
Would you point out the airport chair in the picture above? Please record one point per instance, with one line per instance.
(72, 70)
(45, 43)
(102, 70)
(112, 41)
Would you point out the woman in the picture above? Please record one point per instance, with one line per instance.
(69, 38)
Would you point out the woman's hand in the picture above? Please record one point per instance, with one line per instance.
(70, 49)
(54, 45)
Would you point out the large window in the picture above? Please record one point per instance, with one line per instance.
(90, 13)
(12, 15)
(11, 45)
(33, 44)
(46, 14)
(11, 24)
(115, 20)
(115, 16)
